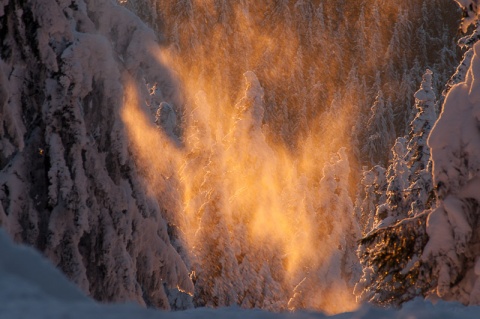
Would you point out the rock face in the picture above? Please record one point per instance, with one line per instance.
(68, 184)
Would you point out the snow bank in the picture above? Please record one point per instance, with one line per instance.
(30, 287)
(26, 275)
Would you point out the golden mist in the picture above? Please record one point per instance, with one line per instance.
(265, 194)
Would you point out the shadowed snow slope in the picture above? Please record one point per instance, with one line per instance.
(27, 277)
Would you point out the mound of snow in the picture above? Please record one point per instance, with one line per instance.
(27, 275)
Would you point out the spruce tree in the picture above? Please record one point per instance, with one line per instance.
(373, 193)
(337, 223)
(398, 175)
(420, 191)
(452, 248)
(394, 271)
(217, 276)
(380, 131)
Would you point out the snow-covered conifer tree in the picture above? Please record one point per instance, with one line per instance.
(387, 252)
(337, 223)
(69, 184)
(166, 119)
(470, 12)
(452, 226)
(398, 176)
(418, 151)
(433, 253)
(217, 276)
(259, 265)
(380, 131)
(420, 191)
(373, 193)
(392, 268)
(390, 253)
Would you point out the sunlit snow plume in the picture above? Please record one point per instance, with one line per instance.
(265, 224)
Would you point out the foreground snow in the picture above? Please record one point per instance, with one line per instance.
(53, 310)
(30, 287)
